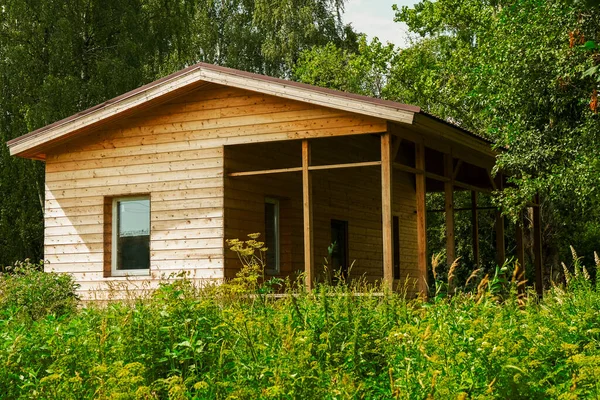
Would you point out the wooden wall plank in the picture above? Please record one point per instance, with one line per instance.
(175, 154)
(352, 195)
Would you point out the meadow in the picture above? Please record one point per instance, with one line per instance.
(481, 340)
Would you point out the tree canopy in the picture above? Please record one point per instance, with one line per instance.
(524, 73)
(60, 57)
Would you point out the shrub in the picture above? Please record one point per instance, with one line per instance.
(27, 291)
(188, 342)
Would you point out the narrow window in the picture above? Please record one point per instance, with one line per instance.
(339, 253)
(272, 235)
(396, 239)
(131, 236)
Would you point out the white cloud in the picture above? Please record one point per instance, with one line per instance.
(376, 18)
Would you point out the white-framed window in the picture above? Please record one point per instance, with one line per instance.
(130, 236)
(272, 235)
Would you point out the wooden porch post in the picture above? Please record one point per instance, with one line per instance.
(520, 250)
(500, 243)
(520, 245)
(475, 227)
(449, 208)
(386, 209)
(309, 264)
(421, 218)
(537, 246)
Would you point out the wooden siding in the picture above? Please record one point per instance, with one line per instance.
(352, 195)
(174, 153)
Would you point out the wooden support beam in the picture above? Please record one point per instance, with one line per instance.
(472, 188)
(449, 208)
(310, 168)
(406, 168)
(537, 248)
(309, 261)
(421, 219)
(346, 165)
(457, 169)
(475, 227)
(520, 252)
(489, 174)
(386, 209)
(265, 171)
(462, 209)
(431, 175)
(396, 146)
(500, 242)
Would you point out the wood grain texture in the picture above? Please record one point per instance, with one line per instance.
(421, 218)
(307, 214)
(386, 209)
(175, 153)
(346, 194)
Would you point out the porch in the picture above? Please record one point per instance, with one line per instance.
(367, 194)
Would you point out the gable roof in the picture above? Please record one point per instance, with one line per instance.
(192, 77)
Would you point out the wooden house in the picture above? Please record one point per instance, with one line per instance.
(152, 182)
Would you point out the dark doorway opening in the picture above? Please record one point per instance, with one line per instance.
(339, 252)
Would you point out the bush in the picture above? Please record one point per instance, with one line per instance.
(27, 291)
(186, 342)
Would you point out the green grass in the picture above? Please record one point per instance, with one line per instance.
(235, 342)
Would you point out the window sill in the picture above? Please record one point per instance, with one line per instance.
(130, 273)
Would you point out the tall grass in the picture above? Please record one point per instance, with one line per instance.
(238, 342)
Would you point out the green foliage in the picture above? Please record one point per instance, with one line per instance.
(524, 74)
(363, 70)
(29, 293)
(188, 342)
(60, 57)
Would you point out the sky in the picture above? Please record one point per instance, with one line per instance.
(376, 18)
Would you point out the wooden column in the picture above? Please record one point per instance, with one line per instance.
(520, 249)
(386, 209)
(475, 227)
(537, 247)
(520, 243)
(449, 209)
(309, 261)
(421, 218)
(500, 243)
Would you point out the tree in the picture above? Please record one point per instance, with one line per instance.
(362, 70)
(516, 72)
(60, 57)
(524, 73)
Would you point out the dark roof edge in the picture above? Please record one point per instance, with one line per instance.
(216, 68)
(463, 130)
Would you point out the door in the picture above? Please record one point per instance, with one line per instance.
(339, 252)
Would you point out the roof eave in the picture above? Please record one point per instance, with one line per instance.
(33, 143)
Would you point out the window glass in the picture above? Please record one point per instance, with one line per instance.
(272, 235)
(132, 234)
